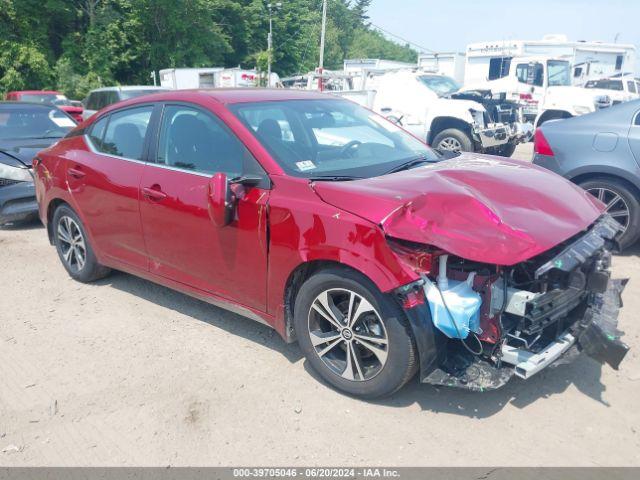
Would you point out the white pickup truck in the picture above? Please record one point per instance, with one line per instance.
(542, 85)
(430, 107)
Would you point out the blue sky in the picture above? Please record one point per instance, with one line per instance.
(449, 25)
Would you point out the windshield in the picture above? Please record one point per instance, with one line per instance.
(126, 94)
(559, 72)
(45, 98)
(318, 138)
(32, 121)
(605, 84)
(440, 84)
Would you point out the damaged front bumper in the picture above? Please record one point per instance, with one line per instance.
(539, 329)
(496, 135)
(596, 334)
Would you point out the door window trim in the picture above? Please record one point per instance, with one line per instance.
(154, 141)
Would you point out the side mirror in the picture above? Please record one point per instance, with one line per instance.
(221, 200)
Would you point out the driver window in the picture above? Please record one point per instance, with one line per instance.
(191, 139)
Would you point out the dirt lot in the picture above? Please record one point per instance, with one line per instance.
(125, 372)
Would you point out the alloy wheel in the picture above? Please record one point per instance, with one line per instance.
(347, 334)
(72, 244)
(615, 205)
(450, 144)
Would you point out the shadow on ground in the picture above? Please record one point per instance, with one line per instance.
(583, 373)
(202, 311)
(31, 224)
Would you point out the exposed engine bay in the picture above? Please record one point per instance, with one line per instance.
(530, 315)
(498, 109)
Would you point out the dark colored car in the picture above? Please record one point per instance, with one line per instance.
(25, 129)
(601, 153)
(49, 97)
(329, 223)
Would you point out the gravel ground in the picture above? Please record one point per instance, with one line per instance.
(125, 372)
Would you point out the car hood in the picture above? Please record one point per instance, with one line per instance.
(481, 208)
(25, 149)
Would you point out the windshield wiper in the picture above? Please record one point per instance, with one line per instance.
(408, 164)
(333, 178)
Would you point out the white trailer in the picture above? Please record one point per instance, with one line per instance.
(450, 64)
(187, 78)
(216, 77)
(491, 60)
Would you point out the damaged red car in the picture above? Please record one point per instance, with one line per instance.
(341, 231)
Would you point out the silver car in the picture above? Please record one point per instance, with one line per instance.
(601, 153)
(102, 97)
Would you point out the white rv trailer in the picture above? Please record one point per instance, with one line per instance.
(450, 64)
(216, 77)
(186, 78)
(491, 60)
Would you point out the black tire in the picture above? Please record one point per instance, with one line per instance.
(453, 136)
(89, 270)
(629, 199)
(372, 380)
(506, 150)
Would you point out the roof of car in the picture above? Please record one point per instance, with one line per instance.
(128, 87)
(237, 95)
(19, 103)
(29, 92)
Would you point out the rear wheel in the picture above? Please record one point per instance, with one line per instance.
(73, 246)
(622, 204)
(355, 337)
(453, 140)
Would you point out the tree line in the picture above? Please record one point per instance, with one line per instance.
(77, 45)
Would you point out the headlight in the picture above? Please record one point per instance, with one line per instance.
(581, 109)
(11, 169)
(478, 117)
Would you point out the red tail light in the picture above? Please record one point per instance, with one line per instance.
(540, 144)
(526, 96)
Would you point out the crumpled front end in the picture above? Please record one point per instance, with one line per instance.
(533, 314)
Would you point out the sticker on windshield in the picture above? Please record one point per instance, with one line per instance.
(305, 165)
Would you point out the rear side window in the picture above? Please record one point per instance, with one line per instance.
(125, 132)
(631, 86)
(96, 134)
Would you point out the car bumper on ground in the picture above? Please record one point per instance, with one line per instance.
(17, 202)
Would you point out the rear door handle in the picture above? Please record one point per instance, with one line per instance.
(76, 173)
(154, 193)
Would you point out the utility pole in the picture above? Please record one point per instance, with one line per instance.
(270, 40)
(322, 34)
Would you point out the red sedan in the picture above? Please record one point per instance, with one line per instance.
(332, 225)
(48, 97)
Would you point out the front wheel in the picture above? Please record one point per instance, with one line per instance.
(74, 249)
(453, 140)
(355, 337)
(621, 204)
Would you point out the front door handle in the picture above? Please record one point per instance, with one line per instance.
(76, 173)
(154, 193)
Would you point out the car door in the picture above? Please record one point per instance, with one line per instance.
(634, 136)
(182, 242)
(104, 181)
